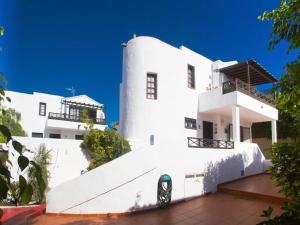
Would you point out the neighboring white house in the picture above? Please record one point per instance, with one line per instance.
(53, 116)
(188, 120)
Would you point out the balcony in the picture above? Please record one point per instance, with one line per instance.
(73, 118)
(209, 143)
(239, 85)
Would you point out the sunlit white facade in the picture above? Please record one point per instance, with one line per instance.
(52, 116)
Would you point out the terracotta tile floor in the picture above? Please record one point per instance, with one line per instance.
(261, 184)
(211, 209)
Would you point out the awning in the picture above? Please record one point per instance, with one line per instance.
(83, 105)
(250, 72)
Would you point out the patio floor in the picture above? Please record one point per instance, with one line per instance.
(255, 187)
(213, 209)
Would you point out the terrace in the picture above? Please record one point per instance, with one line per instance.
(74, 118)
(245, 76)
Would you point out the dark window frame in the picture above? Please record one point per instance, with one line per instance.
(42, 113)
(191, 76)
(151, 86)
(37, 135)
(79, 137)
(190, 123)
(152, 140)
(54, 135)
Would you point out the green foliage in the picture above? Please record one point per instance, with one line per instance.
(285, 171)
(288, 101)
(43, 159)
(85, 119)
(104, 146)
(286, 157)
(11, 119)
(21, 192)
(286, 19)
(1, 31)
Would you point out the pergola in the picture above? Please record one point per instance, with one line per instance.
(80, 104)
(250, 72)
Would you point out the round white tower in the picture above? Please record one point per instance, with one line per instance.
(154, 95)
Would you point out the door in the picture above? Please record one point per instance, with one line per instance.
(245, 134)
(208, 130)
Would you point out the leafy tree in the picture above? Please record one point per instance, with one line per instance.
(288, 102)
(286, 19)
(24, 189)
(104, 146)
(43, 159)
(286, 156)
(11, 119)
(85, 119)
(1, 31)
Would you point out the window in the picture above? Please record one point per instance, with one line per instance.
(191, 77)
(190, 123)
(42, 109)
(78, 137)
(54, 136)
(152, 139)
(151, 86)
(36, 135)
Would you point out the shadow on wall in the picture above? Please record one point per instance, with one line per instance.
(229, 169)
(85, 153)
(138, 207)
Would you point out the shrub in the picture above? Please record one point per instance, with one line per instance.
(286, 172)
(104, 146)
(42, 158)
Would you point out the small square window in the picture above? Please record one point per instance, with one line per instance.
(190, 123)
(54, 136)
(79, 137)
(42, 109)
(36, 135)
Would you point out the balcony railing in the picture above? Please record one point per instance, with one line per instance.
(73, 118)
(238, 85)
(209, 143)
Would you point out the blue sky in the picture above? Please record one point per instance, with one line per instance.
(51, 45)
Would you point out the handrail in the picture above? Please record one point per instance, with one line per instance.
(239, 85)
(209, 143)
(73, 118)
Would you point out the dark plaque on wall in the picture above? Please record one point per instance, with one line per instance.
(164, 190)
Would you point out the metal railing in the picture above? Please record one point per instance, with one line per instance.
(238, 85)
(73, 118)
(209, 143)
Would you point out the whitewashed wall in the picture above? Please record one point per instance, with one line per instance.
(28, 106)
(129, 183)
(31, 121)
(164, 117)
(67, 162)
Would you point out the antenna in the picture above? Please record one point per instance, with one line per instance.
(71, 90)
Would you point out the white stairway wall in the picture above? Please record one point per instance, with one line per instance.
(129, 183)
(67, 158)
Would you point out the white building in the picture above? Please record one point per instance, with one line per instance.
(53, 116)
(170, 93)
(188, 119)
